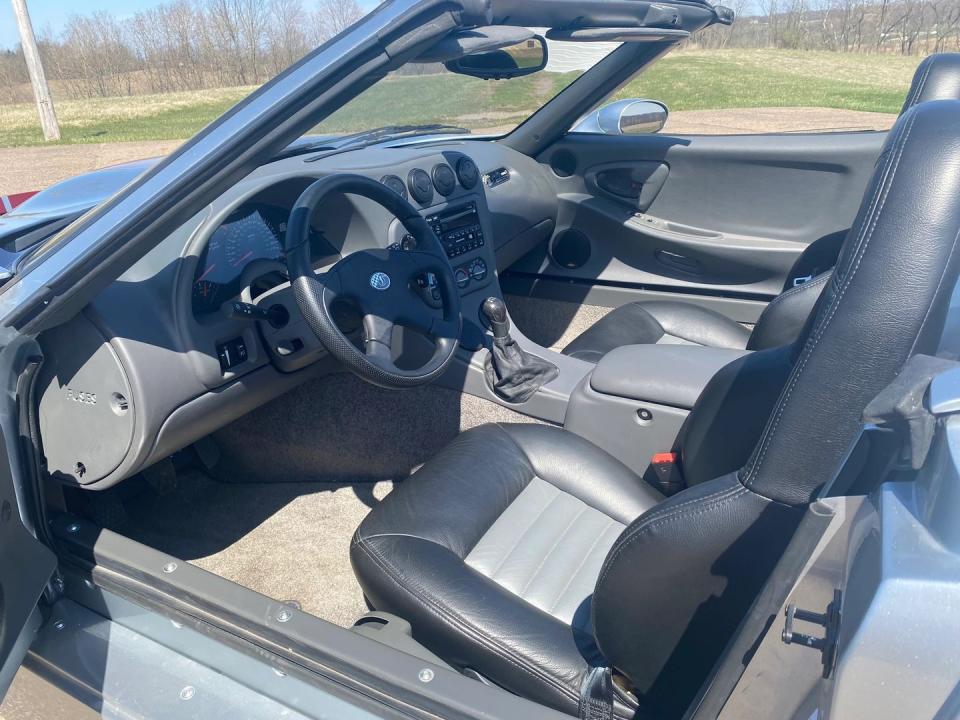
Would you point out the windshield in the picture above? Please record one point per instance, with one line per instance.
(429, 94)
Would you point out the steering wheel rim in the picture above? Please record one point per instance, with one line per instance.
(380, 282)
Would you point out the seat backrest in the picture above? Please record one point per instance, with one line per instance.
(679, 579)
(936, 78)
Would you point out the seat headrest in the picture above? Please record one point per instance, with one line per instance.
(936, 78)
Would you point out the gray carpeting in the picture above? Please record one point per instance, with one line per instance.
(340, 428)
(270, 518)
(552, 323)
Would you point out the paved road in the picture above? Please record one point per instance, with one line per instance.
(33, 168)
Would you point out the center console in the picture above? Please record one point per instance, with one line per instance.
(637, 398)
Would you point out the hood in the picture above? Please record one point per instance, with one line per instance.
(55, 207)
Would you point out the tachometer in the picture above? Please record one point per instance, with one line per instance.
(253, 237)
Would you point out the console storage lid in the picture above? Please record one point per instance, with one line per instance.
(672, 375)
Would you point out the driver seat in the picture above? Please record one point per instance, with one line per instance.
(530, 556)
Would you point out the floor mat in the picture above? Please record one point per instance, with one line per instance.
(289, 541)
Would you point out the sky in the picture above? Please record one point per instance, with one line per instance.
(49, 16)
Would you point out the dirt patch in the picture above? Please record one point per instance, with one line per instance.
(34, 168)
(751, 121)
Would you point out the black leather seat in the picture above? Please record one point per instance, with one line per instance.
(531, 556)
(642, 323)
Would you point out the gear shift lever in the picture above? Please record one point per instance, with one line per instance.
(512, 373)
(495, 310)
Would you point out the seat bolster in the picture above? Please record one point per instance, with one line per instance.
(783, 319)
(629, 324)
(698, 325)
(678, 581)
(646, 323)
(455, 498)
(471, 621)
(581, 469)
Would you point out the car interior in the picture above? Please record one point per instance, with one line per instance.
(559, 409)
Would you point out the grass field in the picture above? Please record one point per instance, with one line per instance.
(692, 80)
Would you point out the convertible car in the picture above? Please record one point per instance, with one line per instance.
(567, 416)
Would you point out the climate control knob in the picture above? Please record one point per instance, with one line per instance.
(462, 277)
(478, 270)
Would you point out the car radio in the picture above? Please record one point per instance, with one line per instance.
(458, 228)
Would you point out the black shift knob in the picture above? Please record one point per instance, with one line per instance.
(495, 311)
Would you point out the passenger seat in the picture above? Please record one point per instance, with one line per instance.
(678, 323)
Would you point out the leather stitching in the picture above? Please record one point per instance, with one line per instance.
(921, 84)
(863, 242)
(819, 280)
(450, 617)
(707, 504)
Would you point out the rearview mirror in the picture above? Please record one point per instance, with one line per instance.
(523, 58)
(625, 117)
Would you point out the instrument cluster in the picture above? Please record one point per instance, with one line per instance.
(253, 233)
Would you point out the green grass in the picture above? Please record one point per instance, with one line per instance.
(776, 78)
(695, 80)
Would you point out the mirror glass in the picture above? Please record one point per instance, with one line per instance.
(642, 117)
(523, 58)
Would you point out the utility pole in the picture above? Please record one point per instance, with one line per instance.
(41, 91)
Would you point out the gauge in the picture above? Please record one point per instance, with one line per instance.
(252, 237)
(395, 184)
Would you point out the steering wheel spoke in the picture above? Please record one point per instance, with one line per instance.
(378, 339)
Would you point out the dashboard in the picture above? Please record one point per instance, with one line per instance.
(168, 366)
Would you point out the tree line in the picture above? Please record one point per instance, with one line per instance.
(908, 27)
(187, 45)
(178, 46)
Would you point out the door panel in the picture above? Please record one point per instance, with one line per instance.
(720, 216)
(25, 564)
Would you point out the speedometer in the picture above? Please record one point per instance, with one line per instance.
(253, 237)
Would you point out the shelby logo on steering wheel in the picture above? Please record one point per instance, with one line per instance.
(380, 281)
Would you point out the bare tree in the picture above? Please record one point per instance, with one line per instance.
(334, 16)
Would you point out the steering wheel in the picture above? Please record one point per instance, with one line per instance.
(381, 284)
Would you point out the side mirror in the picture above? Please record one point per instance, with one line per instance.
(524, 58)
(625, 117)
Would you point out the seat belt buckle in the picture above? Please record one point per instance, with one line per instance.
(667, 473)
(798, 281)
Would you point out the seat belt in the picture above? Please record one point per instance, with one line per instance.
(596, 695)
